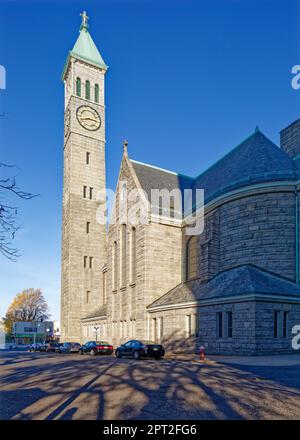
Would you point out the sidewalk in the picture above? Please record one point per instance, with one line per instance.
(272, 361)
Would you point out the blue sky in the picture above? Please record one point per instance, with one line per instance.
(188, 80)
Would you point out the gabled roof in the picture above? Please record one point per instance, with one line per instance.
(241, 280)
(151, 177)
(255, 160)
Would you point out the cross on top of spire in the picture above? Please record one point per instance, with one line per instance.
(84, 22)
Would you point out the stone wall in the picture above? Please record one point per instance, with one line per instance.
(252, 328)
(252, 229)
(259, 230)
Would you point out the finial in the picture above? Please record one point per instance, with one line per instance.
(125, 144)
(256, 129)
(84, 22)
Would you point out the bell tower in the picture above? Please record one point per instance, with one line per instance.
(83, 224)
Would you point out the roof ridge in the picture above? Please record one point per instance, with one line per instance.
(161, 169)
(229, 152)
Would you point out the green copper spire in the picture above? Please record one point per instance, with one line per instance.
(85, 48)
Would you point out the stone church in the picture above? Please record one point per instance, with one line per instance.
(234, 288)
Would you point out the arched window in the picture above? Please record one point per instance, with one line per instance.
(133, 255)
(123, 256)
(78, 86)
(96, 93)
(87, 90)
(191, 258)
(114, 266)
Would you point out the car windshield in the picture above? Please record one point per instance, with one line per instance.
(102, 343)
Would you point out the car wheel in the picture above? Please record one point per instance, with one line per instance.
(136, 355)
(118, 354)
(80, 352)
(92, 352)
(157, 358)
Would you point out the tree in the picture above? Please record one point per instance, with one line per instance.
(29, 305)
(9, 213)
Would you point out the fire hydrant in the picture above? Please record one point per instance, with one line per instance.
(202, 353)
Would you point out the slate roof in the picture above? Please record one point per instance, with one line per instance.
(255, 160)
(97, 313)
(151, 177)
(241, 280)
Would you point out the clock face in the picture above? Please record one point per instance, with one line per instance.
(88, 118)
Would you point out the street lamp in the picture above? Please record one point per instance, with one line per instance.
(96, 330)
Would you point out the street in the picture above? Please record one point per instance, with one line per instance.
(41, 386)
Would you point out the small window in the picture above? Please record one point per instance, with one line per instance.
(220, 324)
(276, 316)
(87, 158)
(91, 193)
(229, 324)
(87, 90)
(84, 192)
(161, 327)
(88, 227)
(188, 326)
(285, 321)
(78, 86)
(96, 93)
(88, 295)
(91, 262)
(85, 261)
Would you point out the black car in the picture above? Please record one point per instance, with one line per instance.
(93, 348)
(141, 348)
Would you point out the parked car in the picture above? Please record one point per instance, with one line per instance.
(93, 348)
(35, 346)
(19, 347)
(58, 347)
(48, 346)
(141, 348)
(69, 347)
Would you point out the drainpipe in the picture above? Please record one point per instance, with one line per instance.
(297, 235)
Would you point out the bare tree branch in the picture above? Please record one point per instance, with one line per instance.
(8, 214)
